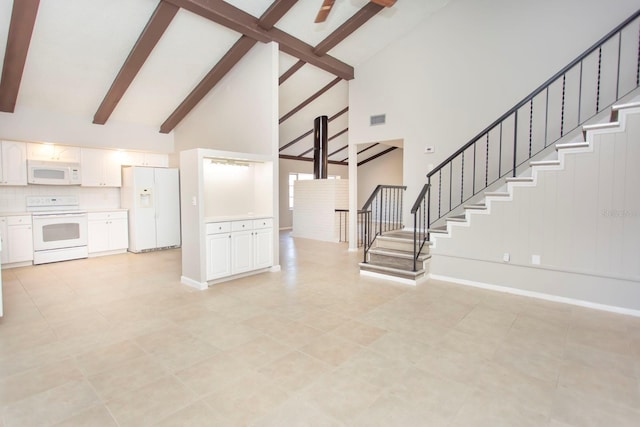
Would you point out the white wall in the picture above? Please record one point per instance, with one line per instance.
(288, 166)
(583, 223)
(386, 170)
(31, 125)
(238, 114)
(466, 65)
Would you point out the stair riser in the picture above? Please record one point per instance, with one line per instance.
(389, 244)
(395, 262)
(404, 276)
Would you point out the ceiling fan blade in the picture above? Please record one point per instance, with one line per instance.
(385, 3)
(324, 11)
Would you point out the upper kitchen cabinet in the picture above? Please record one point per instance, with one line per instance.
(14, 163)
(53, 152)
(137, 158)
(101, 168)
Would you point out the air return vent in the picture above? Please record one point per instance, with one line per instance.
(378, 119)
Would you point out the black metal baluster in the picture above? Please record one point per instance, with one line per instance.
(515, 142)
(439, 192)
(462, 180)
(546, 118)
(530, 125)
(486, 164)
(638, 68)
(618, 66)
(474, 168)
(564, 85)
(598, 80)
(450, 184)
(500, 154)
(580, 94)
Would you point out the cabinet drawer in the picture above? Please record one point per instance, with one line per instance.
(104, 216)
(19, 219)
(218, 227)
(262, 223)
(241, 225)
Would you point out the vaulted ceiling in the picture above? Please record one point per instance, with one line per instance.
(151, 61)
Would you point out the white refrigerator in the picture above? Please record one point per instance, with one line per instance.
(152, 196)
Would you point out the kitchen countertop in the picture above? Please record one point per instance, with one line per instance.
(234, 218)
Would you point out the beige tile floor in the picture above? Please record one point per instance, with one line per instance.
(118, 341)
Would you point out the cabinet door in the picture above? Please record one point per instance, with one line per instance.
(5, 243)
(263, 248)
(92, 168)
(14, 163)
(61, 153)
(112, 168)
(118, 234)
(218, 255)
(156, 160)
(20, 239)
(242, 251)
(97, 236)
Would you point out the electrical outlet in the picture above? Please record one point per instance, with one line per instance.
(506, 257)
(193, 201)
(535, 259)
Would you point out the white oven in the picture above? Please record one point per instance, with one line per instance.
(59, 229)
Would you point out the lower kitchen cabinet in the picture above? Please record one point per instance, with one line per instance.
(17, 239)
(235, 247)
(108, 232)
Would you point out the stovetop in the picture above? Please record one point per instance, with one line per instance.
(53, 204)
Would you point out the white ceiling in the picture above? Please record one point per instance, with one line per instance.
(78, 47)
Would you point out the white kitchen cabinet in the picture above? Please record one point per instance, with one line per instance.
(108, 232)
(17, 239)
(236, 247)
(53, 152)
(138, 158)
(13, 167)
(218, 250)
(101, 168)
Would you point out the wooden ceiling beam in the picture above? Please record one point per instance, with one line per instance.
(309, 132)
(277, 9)
(23, 19)
(153, 31)
(310, 99)
(363, 150)
(238, 20)
(308, 159)
(367, 12)
(228, 61)
(375, 156)
(342, 132)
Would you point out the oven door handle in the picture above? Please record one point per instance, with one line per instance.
(56, 216)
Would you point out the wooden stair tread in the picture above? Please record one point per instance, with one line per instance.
(398, 253)
(570, 145)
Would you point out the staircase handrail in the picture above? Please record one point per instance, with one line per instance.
(537, 91)
(387, 202)
(420, 229)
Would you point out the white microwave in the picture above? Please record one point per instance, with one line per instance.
(53, 173)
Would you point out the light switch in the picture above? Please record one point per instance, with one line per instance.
(193, 201)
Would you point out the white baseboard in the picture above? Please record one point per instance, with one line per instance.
(192, 283)
(538, 295)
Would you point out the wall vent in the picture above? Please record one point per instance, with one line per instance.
(378, 119)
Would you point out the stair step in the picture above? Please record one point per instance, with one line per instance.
(478, 207)
(572, 145)
(496, 194)
(398, 253)
(442, 230)
(457, 218)
(616, 108)
(545, 163)
(520, 179)
(599, 126)
(392, 271)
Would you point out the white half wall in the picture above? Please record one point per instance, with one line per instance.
(466, 65)
(288, 166)
(314, 215)
(574, 234)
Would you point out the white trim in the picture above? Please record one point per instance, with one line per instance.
(274, 268)
(192, 283)
(538, 295)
